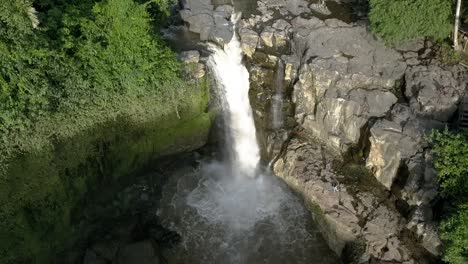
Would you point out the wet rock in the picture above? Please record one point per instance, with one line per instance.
(265, 60)
(198, 71)
(267, 36)
(192, 56)
(261, 77)
(281, 39)
(140, 252)
(212, 25)
(291, 65)
(434, 92)
(193, 69)
(392, 143)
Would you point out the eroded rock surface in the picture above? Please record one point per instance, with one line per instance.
(346, 89)
(353, 211)
(353, 94)
(434, 91)
(212, 24)
(346, 78)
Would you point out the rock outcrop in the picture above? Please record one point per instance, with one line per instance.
(344, 88)
(194, 69)
(213, 24)
(341, 85)
(358, 219)
(434, 91)
(348, 91)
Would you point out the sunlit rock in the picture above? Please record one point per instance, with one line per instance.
(249, 41)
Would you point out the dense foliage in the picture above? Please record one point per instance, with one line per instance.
(88, 92)
(399, 20)
(451, 161)
(81, 53)
(455, 233)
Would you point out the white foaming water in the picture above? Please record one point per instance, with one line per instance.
(277, 100)
(233, 79)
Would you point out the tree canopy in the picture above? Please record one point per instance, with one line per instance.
(59, 55)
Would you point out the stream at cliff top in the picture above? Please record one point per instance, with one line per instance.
(230, 211)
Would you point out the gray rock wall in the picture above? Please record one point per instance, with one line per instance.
(352, 94)
(346, 90)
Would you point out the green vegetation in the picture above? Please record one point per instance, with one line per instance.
(451, 161)
(88, 93)
(82, 54)
(448, 55)
(401, 20)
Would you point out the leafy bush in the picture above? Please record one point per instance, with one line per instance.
(397, 21)
(448, 55)
(455, 234)
(118, 51)
(83, 52)
(451, 161)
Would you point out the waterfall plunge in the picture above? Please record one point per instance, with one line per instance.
(231, 220)
(233, 80)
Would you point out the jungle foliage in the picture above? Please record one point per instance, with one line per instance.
(88, 92)
(451, 162)
(60, 56)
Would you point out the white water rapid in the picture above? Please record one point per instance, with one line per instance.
(233, 78)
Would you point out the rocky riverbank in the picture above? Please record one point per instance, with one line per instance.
(343, 89)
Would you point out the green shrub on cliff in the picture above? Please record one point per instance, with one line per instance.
(451, 162)
(455, 235)
(397, 21)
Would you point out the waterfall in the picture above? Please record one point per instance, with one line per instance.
(227, 219)
(232, 79)
(277, 99)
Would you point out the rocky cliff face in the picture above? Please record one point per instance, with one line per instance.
(344, 93)
(359, 219)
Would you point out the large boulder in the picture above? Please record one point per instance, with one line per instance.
(346, 79)
(193, 68)
(434, 91)
(212, 24)
(393, 142)
(294, 7)
(249, 41)
(398, 149)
